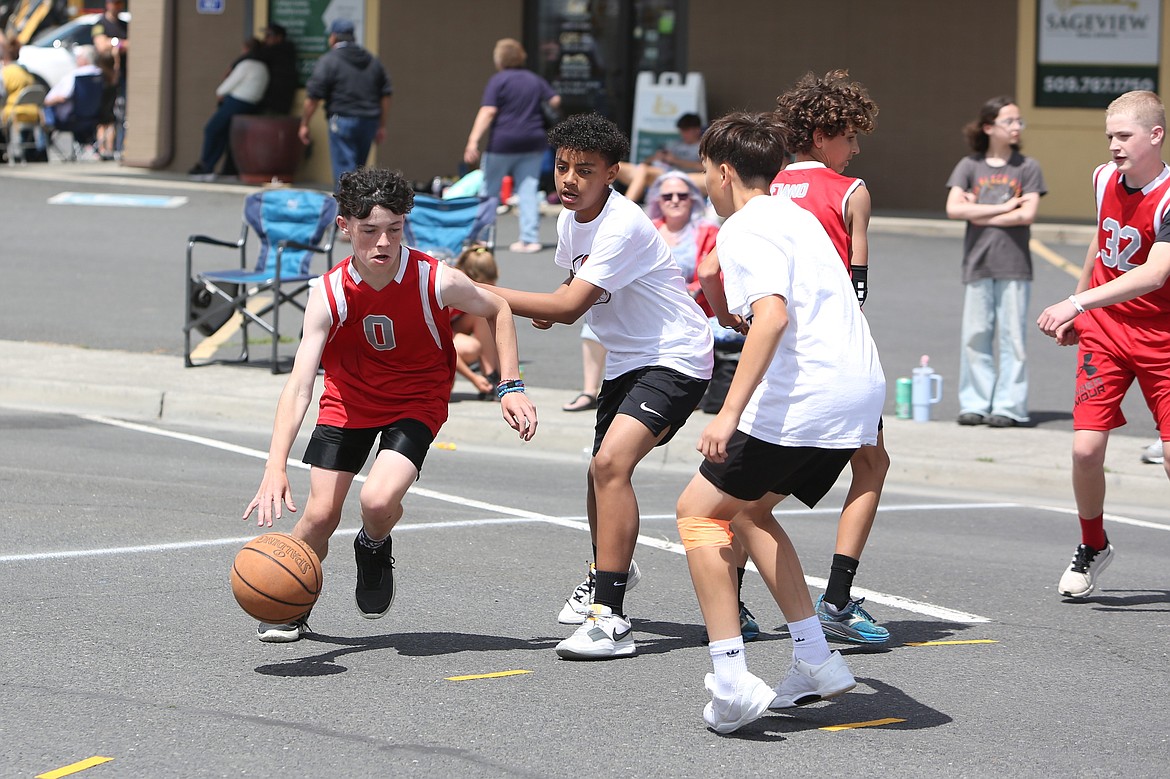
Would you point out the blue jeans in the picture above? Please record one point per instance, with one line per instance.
(350, 139)
(525, 172)
(994, 314)
(217, 131)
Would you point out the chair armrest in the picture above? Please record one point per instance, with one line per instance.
(308, 247)
(215, 241)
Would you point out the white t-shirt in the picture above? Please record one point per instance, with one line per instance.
(645, 316)
(825, 386)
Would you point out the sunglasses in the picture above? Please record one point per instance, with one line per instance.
(681, 197)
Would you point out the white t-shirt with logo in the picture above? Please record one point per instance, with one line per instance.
(645, 316)
(825, 386)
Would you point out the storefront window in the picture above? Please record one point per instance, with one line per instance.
(591, 51)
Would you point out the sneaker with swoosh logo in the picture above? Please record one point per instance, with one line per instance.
(603, 635)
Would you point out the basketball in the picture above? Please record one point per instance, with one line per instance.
(276, 578)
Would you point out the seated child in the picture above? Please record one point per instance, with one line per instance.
(473, 339)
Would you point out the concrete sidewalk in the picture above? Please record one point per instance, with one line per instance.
(939, 456)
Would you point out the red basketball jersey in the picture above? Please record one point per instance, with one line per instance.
(822, 192)
(1127, 223)
(390, 354)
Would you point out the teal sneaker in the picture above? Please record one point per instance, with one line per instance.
(852, 623)
(748, 627)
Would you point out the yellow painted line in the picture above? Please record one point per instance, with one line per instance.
(445, 445)
(952, 643)
(207, 348)
(1055, 259)
(495, 675)
(873, 723)
(80, 765)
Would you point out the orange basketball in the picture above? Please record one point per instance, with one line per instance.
(276, 578)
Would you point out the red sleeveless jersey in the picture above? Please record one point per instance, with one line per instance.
(823, 193)
(390, 354)
(1127, 223)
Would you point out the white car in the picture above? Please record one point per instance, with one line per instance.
(50, 54)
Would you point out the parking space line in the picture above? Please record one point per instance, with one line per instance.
(73, 768)
(873, 723)
(496, 675)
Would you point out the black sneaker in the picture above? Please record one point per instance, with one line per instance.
(375, 579)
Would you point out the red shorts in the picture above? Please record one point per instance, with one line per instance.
(1115, 350)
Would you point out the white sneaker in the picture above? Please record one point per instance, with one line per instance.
(1080, 578)
(603, 635)
(576, 608)
(1154, 453)
(285, 633)
(752, 698)
(807, 683)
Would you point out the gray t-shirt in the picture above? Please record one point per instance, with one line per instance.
(997, 252)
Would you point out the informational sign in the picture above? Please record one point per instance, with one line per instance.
(657, 106)
(117, 201)
(209, 6)
(1091, 51)
(307, 23)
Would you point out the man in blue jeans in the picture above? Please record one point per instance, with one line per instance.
(356, 90)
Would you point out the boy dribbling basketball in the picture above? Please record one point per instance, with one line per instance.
(377, 323)
(807, 393)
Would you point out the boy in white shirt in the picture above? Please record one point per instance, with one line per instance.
(623, 280)
(806, 395)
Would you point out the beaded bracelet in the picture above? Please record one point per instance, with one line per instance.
(511, 385)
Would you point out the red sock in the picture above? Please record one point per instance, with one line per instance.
(1093, 532)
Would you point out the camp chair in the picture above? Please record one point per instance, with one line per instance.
(18, 145)
(442, 228)
(292, 226)
(84, 117)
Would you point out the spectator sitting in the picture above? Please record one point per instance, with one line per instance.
(681, 155)
(472, 336)
(239, 93)
(13, 79)
(59, 101)
(280, 55)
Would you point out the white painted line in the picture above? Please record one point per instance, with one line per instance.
(896, 601)
(1111, 518)
(122, 201)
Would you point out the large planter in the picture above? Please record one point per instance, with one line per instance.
(266, 148)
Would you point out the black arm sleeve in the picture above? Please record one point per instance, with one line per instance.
(860, 276)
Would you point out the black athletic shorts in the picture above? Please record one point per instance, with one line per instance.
(346, 448)
(754, 468)
(660, 398)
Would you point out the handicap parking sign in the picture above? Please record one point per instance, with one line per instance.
(209, 6)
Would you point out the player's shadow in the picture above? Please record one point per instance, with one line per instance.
(870, 702)
(408, 644)
(1119, 602)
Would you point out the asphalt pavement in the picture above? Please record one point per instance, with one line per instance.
(937, 455)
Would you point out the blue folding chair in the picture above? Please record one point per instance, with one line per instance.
(442, 228)
(83, 119)
(293, 227)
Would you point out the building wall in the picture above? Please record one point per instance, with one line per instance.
(180, 56)
(928, 66)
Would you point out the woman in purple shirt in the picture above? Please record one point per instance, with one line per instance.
(517, 142)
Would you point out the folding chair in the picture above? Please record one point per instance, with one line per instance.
(32, 95)
(84, 116)
(442, 228)
(293, 226)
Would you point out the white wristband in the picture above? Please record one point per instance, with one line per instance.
(1076, 304)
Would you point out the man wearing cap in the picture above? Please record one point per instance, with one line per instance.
(356, 91)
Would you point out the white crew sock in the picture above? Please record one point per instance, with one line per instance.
(808, 641)
(727, 657)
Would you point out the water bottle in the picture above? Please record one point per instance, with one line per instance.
(902, 398)
(925, 390)
(437, 186)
